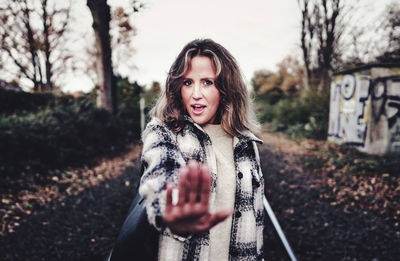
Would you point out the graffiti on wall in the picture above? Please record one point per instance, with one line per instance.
(392, 111)
(358, 103)
(348, 110)
(386, 100)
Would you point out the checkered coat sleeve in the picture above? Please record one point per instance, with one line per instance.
(165, 151)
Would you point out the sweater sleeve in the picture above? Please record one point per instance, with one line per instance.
(161, 159)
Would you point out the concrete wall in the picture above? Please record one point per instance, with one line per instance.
(365, 110)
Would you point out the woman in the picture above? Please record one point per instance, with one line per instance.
(202, 179)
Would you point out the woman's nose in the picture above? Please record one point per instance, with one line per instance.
(197, 91)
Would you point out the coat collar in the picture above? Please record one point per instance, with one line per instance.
(246, 136)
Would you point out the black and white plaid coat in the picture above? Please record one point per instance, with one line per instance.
(165, 151)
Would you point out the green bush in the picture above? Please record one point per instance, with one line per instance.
(128, 106)
(303, 115)
(271, 97)
(39, 132)
(290, 111)
(67, 134)
(265, 112)
(266, 102)
(318, 106)
(128, 109)
(14, 101)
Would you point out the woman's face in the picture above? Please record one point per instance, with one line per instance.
(199, 93)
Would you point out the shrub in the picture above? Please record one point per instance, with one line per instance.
(290, 111)
(266, 112)
(70, 133)
(128, 107)
(43, 131)
(304, 115)
(13, 101)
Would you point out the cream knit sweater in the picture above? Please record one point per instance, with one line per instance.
(225, 192)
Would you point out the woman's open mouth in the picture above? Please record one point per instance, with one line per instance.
(198, 109)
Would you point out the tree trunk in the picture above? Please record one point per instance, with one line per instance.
(49, 85)
(304, 46)
(319, 38)
(31, 44)
(31, 47)
(106, 92)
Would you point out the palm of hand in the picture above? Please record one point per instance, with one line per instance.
(191, 214)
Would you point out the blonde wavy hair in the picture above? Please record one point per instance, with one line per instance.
(235, 113)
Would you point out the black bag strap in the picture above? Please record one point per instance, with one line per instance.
(137, 240)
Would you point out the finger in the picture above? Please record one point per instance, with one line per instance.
(194, 173)
(199, 185)
(205, 178)
(195, 210)
(182, 185)
(219, 217)
(192, 212)
(168, 205)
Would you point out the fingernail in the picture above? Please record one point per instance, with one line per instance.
(192, 162)
(175, 196)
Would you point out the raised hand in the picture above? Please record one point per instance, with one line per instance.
(191, 214)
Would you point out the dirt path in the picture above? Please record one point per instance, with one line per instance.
(77, 215)
(318, 227)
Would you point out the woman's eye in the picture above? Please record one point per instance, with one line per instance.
(208, 82)
(187, 82)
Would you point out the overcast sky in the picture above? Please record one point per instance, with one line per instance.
(259, 33)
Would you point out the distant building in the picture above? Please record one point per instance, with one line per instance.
(365, 108)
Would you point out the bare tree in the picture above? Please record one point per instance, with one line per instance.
(117, 44)
(106, 88)
(375, 41)
(320, 33)
(52, 36)
(29, 36)
(307, 34)
(391, 34)
(16, 26)
(122, 33)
